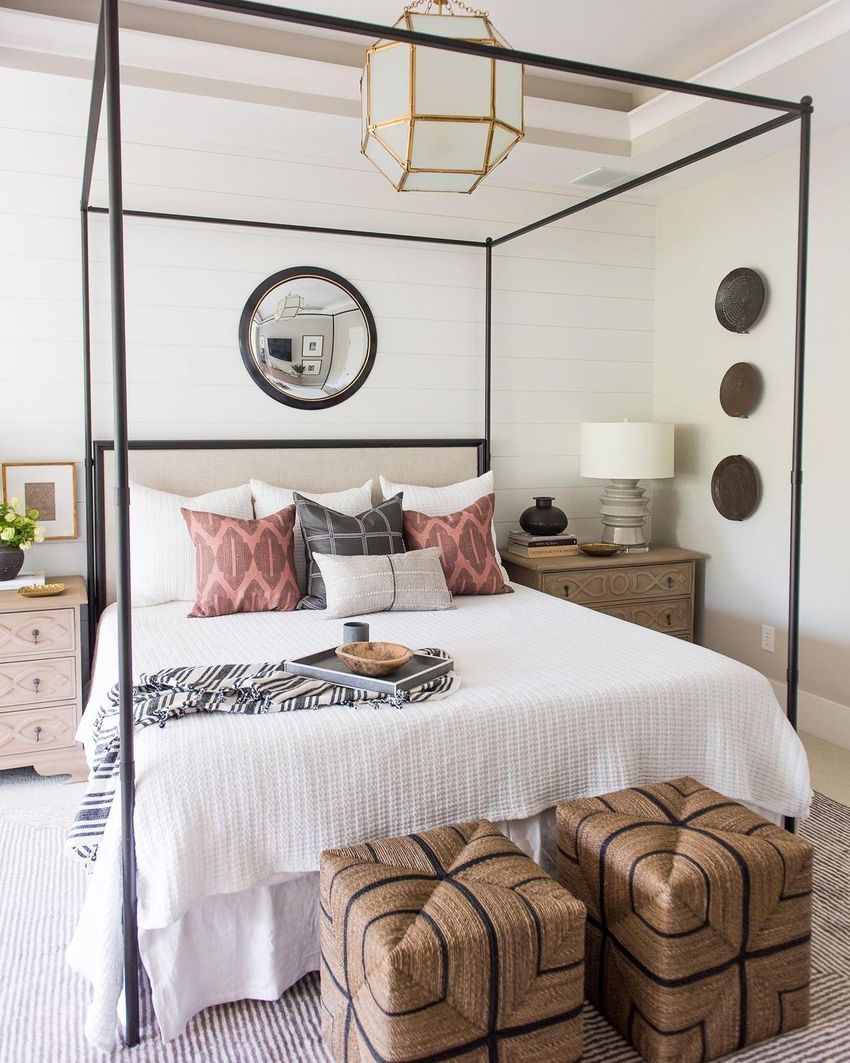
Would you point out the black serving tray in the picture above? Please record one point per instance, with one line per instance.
(325, 665)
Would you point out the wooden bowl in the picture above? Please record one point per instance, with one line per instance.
(373, 658)
(599, 549)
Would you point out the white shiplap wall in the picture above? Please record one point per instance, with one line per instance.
(573, 308)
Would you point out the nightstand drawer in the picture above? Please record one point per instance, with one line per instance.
(595, 586)
(37, 730)
(24, 683)
(32, 634)
(670, 616)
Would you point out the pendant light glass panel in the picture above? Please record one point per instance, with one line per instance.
(461, 27)
(389, 84)
(447, 83)
(440, 121)
(440, 182)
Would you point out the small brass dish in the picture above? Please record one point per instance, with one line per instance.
(373, 658)
(599, 549)
(46, 590)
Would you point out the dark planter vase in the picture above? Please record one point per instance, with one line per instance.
(11, 561)
(543, 518)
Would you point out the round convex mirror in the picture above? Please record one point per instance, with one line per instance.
(307, 337)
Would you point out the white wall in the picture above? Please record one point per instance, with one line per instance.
(748, 218)
(572, 304)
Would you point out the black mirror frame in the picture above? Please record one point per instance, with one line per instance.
(260, 292)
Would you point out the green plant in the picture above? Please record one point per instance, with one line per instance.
(18, 527)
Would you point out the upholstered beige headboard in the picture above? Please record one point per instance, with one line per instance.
(192, 468)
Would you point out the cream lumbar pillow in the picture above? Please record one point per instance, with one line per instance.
(380, 583)
(269, 499)
(161, 552)
(442, 501)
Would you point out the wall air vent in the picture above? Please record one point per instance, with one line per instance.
(603, 177)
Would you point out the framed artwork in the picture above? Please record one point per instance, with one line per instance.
(311, 347)
(312, 367)
(49, 487)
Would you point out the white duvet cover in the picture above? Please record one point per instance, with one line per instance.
(556, 702)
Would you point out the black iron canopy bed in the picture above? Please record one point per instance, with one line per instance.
(106, 83)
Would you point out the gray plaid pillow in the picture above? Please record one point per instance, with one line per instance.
(379, 530)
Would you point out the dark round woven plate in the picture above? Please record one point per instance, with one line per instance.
(739, 299)
(740, 389)
(735, 488)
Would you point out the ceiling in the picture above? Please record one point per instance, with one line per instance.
(782, 48)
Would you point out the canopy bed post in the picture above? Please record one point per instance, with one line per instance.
(88, 464)
(122, 523)
(793, 671)
(95, 108)
(488, 349)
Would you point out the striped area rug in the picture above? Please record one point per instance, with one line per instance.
(42, 1002)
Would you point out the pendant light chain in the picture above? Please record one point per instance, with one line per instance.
(445, 5)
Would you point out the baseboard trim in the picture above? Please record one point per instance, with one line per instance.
(829, 720)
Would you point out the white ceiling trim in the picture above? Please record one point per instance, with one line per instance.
(812, 30)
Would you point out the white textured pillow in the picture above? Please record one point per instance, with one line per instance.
(380, 583)
(441, 501)
(161, 550)
(269, 499)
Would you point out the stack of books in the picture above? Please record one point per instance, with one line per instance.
(526, 545)
(25, 579)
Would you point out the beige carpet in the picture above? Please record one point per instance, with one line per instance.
(42, 1002)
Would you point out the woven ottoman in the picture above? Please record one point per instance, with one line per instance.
(450, 944)
(698, 918)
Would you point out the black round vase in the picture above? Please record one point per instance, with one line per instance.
(11, 561)
(543, 518)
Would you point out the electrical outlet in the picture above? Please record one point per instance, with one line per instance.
(768, 634)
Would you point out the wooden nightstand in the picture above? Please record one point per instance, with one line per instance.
(654, 590)
(40, 680)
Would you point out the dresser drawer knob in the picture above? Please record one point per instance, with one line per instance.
(36, 683)
(669, 619)
(35, 636)
(566, 590)
(669, 581)
(38, 730)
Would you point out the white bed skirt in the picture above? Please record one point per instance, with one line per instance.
(257, 943)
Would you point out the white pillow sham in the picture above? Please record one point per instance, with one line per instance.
(379, 583)
(441, 501)
(161, 550)
(269, 499)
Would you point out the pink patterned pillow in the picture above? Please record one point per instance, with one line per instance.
(466, 546)
(243, 566)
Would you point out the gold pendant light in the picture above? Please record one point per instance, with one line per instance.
(437, 121)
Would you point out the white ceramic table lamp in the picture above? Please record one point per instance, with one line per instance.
(624, 452)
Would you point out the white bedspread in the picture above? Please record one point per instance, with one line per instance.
(556, 702)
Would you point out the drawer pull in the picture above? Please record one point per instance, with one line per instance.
(35, 636)
(38, 730)
(669, 620)
(566, 590)
(669, 581)
(36, 683)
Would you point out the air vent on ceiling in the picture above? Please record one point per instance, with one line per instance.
(603, 177)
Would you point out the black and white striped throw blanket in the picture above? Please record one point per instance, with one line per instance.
(248, 689)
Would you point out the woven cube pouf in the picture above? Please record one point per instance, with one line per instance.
(449, 944)
(698, 918)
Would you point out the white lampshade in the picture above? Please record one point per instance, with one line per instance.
(437, 121)
(627, 450)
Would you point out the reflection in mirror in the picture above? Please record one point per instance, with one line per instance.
(307, 337)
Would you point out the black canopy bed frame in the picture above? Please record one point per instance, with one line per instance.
(106, 82)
